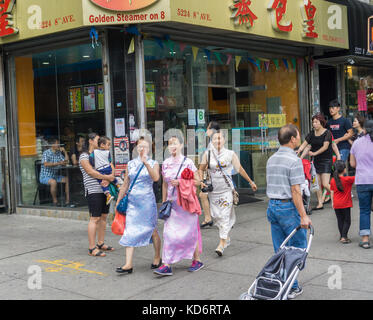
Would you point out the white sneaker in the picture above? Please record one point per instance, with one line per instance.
(295, 292)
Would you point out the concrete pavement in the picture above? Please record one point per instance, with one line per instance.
(54, 251)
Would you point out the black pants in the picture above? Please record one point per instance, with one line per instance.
(344, 221)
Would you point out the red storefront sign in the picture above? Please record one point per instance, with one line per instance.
(242, 13)
(6, 19)
(309, 13)
(278, 8)
(124, 5)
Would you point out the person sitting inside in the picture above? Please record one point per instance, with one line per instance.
(52, 159)
(100, 159)
(77, 150)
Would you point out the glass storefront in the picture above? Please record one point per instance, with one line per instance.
(60, 100)
(359, 91)
(187, 87)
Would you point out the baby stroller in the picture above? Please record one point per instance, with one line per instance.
(278, 275)
(306, 186)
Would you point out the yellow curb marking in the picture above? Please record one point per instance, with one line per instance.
(73, 266)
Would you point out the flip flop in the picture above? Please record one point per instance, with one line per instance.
(316, 208)
(364, 245)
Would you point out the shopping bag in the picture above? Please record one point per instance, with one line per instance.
(315, 186)
(119, 224)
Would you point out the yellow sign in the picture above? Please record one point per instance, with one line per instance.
(272, 120)
(313, 22)
(41, 17)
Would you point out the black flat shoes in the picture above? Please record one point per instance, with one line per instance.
(204, 225)
(122, 271)
(156, 266)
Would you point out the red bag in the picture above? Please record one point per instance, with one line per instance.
(119, 224)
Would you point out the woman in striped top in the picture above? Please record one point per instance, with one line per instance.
(98, 209)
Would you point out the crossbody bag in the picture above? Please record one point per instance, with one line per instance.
(165, 209)
(123, 204)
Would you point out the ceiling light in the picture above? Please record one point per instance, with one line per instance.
(86, 56)
(45, 62)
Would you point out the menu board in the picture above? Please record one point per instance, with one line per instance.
(75, 99)
(100, 96)
(89, 93)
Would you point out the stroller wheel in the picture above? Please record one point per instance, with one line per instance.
(245, 296)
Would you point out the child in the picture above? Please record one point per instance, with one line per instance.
(340, 187)
(100, 159)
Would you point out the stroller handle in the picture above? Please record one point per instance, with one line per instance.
(312, 232)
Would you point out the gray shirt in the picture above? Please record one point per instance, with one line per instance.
(284, 169)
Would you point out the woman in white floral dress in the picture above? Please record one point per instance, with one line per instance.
(221, 198)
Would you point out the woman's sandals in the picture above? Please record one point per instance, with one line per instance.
(97, 254)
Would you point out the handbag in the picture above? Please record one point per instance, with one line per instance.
(165, 209)
(236, 196)
(123, 204)
(119, 223)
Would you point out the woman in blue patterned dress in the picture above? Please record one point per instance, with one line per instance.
(141, 216)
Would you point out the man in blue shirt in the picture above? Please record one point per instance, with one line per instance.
(341, 129)
(51, 163)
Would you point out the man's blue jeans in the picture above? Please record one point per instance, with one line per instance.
(284, 218)
(365, 194)
(344, 154)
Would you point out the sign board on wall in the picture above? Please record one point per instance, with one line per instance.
(316, 22)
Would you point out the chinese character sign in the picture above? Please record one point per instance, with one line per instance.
(6, 19)
(309, 12)
(278, 10)
(242, 13)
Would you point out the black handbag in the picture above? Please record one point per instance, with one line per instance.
(165, 208)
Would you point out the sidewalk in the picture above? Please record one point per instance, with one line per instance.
(59, 248)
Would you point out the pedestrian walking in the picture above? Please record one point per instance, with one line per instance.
(181, 232)
(340, 187)
(320, 140)
(141, 214)
(285, 209)
(98, 209)
(358, 126)
(212, 127)
(362, 159)
(220, 163)
(341, 129)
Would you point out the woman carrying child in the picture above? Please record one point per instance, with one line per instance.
(340, 187)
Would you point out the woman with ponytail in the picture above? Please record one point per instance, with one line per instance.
(340, 187)
(362, 159)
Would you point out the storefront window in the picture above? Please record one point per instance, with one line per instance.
(359, 91)
(187, 87)
(60, 100)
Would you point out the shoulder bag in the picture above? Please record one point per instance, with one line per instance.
(165, 209)
(123, 204)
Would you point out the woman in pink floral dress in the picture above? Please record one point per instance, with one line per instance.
(181, 233)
